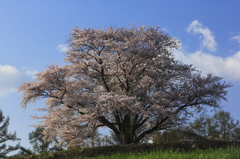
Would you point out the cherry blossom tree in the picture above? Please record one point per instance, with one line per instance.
(123, 79)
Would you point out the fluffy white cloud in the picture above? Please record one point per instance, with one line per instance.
(237, 37)
(207, 63)
(11, 79)
(62, 48)
(208, 39)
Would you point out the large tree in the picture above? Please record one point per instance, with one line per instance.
(6, 136)
(123, 79)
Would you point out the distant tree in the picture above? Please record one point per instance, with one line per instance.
(39, 145)
(176, 134)
(6, 136)
(235, 134)
(95, 141)
(114, 138)
(188, 134)
(219, 127)
(202, 125)
(167, 136)
(24, 151)
(225, 124)
(123, 79)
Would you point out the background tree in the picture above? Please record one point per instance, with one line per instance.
(114, 138)
(219, 127)
(6, 136)
(235, 134)
(94, 141)
(167, 136)
(188, 134)
(24, 151)
(39, 145)
(123, 79)
(203, 126)
(225, 124)
(176, 134)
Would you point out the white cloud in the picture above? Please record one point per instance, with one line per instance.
(11, 79)
(62, 48)
(207, 63)
(29, 71)
(237, 37)
(208, 39)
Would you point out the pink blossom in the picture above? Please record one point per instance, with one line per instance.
(123, 79)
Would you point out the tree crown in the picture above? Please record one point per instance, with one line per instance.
(123, 79)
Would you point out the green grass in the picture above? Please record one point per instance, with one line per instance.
(229, 153)
(181, 150)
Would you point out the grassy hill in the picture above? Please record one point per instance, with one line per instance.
(157, 149)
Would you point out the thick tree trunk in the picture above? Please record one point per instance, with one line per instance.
(125, 138)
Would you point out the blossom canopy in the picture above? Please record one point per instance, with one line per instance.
(123, 79)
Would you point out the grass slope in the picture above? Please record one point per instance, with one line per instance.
(187, 149)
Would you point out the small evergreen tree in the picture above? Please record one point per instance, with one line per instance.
(220, 126)
(204, 126)
(235, 136)
(6, 136)
(225, 124)
(39, 144)
(24, 151)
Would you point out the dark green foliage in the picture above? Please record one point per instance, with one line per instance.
(167, 136)
(220, 126)
(202, 125)
(6, 136)
(39, 145)
(188, 134)
(225, 125)
(236, 134)
(25, 151)
(176, 135)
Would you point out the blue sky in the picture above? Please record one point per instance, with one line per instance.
(33, 35)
